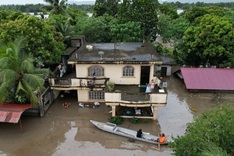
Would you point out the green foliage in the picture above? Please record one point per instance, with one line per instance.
(19, 79)
(110, 86)
(55, 7)
(96, 29)
(20, 99)
(213, 128)
(214, 151)
(134, 120)
(42, 40)
(197, 12)
(118, 120)
(142, 11)
(209, 40)
(63, 26)
(159, 48)
(168, 10)
(172, 29)
(126, 32)
(109, 7)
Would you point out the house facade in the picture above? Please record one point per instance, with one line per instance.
(124, 64)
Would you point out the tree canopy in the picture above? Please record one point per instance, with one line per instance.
(143, 11)
(109, 7)
(126, 32)
(210, 41)
(56, 7)
(213, 130)
(43, 42)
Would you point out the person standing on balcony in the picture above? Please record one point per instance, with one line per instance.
(147, 91)
(94, 78)
(62, 70)
(152, 85)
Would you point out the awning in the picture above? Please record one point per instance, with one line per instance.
(11, 113)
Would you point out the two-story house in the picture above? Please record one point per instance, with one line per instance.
(124, 64)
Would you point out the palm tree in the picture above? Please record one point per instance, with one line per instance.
(66, 30)
(20, 80)
(57, 7)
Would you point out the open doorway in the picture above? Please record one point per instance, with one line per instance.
(163, 71)
(145, 72)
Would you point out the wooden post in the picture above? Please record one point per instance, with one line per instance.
(21, 127)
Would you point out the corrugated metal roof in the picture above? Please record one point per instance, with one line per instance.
(208, 78)
(11, 112)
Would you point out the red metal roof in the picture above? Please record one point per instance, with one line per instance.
(208, 78)
(11, 112)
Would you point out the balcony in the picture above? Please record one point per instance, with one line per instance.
(130, 101)
(77, 83)
(134, 94)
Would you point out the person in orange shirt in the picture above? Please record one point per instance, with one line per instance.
(162, 138)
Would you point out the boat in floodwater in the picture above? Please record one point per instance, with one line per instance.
(131, 134)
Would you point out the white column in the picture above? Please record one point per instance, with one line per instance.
(155, 113)
(113, 110)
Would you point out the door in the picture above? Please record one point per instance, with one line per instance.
(163, 71)
(145, 75)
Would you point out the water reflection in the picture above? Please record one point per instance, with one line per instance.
(174, 116)
(2, 153)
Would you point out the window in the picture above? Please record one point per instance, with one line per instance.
(98, 70)
(128, 71)
(96, 95)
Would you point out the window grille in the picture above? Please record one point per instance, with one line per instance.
(96, 95)
(128, 71)
(98, 70)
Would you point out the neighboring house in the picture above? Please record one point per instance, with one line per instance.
(208, 79)
(128, 64)
(165, 69)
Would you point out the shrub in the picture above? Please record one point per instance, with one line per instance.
(110, 86)
(134, 120)
(116, 120)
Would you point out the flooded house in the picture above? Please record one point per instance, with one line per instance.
(114, 74)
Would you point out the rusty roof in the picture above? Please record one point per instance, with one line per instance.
(11, 113)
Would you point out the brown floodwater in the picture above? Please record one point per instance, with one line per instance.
(67, 131)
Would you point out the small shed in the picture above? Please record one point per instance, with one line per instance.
(165, 69)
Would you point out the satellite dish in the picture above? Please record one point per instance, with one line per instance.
(101, 53)
(89, 47)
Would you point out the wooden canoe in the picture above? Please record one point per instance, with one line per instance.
(114, 129)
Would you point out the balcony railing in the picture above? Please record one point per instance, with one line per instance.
(138, 98)
(78, 82)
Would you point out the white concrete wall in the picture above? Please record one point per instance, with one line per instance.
(76, 82)
(158, 98)
(112, 97)
(157, 80)
(56, 93)
(115, 73)
(83, 95)
(169, 68)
